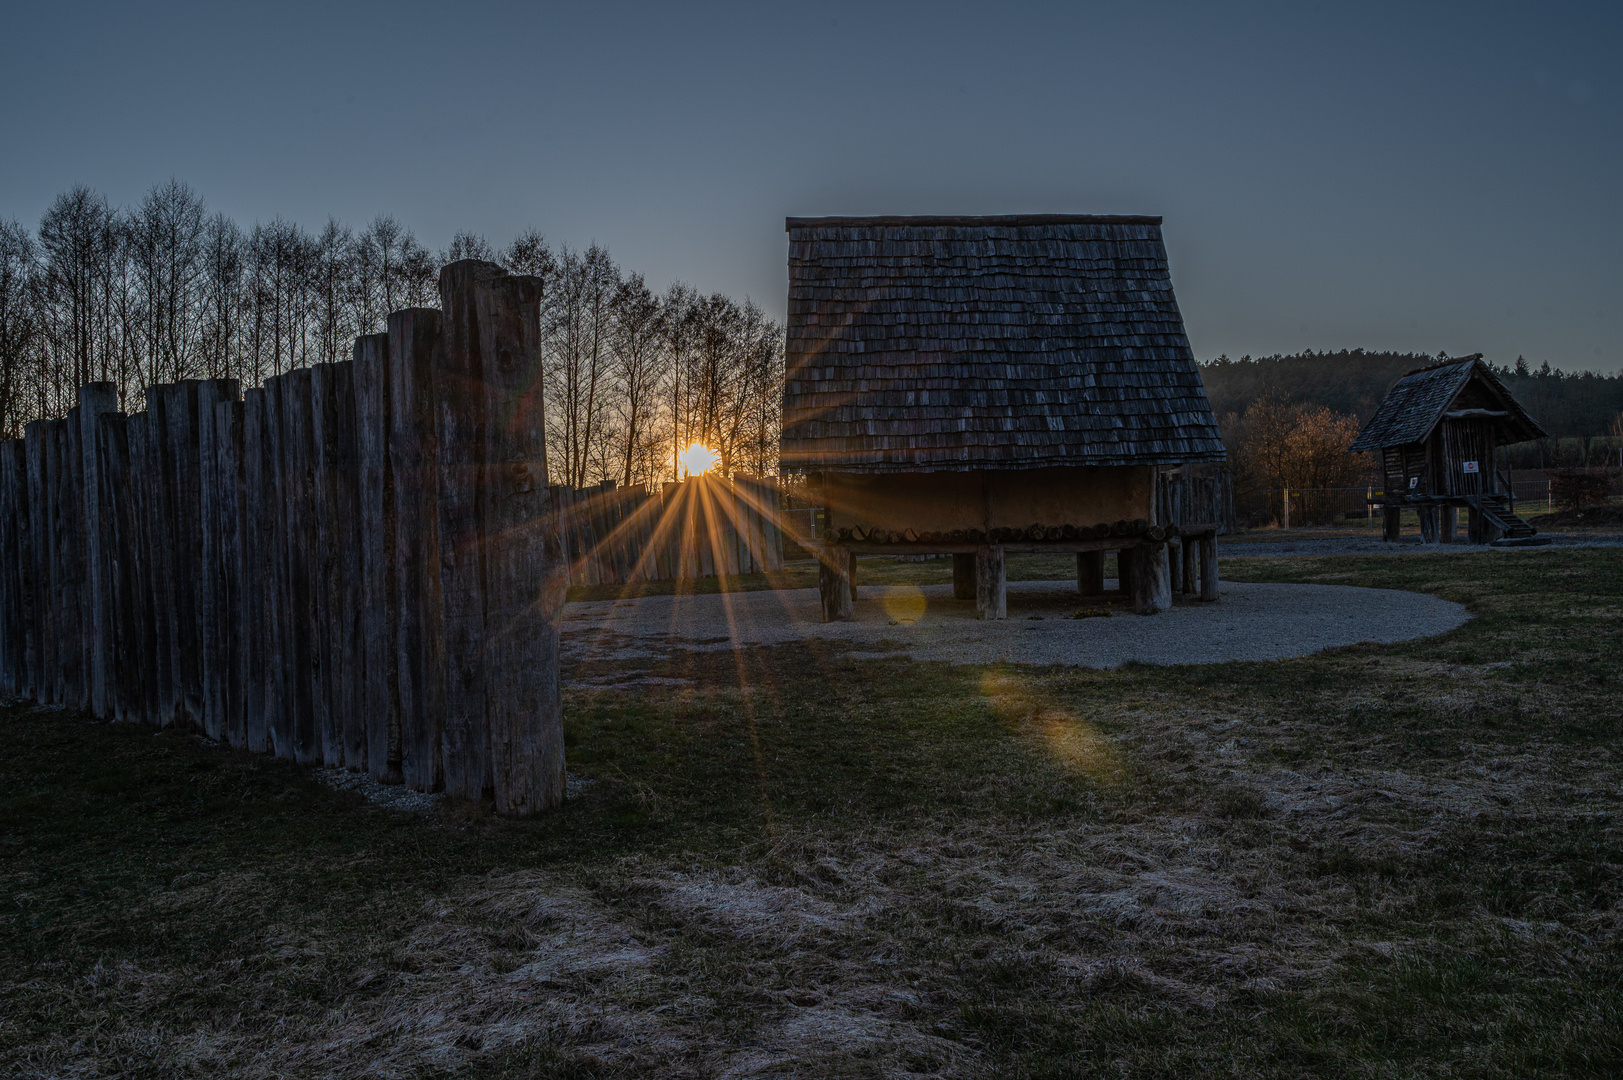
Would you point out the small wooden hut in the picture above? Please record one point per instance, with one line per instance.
(1436, 431)
(979, 385)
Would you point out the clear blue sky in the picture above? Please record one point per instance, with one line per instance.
(1415, 177)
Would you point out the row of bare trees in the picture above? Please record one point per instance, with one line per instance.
(164, 290)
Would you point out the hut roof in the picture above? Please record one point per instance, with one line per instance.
(921, 344)
(1416, 402)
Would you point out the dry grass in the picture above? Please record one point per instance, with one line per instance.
(1384, 861)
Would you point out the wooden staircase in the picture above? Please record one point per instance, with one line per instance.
(1495, 510)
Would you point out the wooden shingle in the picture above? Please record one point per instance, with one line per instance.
(1018, 342)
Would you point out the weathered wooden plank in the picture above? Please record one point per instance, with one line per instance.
(12, 523)
(186, 554)
(257, 610)
(211, 571)
(419, 629)
(228, 510)
(380, 702)
(138, 433)
(991, 583)
(524, 585)
(64, 649)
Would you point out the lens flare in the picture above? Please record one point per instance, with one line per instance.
(904, 603)
(698, 459)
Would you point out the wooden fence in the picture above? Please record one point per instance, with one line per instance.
(354, 564)
(706, 526)
(1189, 500)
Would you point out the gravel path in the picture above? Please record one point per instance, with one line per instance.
(1251, 622)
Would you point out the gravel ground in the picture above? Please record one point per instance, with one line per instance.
(1374, 545)
(1251, 622)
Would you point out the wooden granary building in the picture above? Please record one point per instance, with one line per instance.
(979, 385)
(1436, 432)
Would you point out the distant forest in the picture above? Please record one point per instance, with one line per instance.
(1570, 405)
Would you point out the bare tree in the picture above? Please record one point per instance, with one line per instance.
(16, 323)
(223, 300)
(75, 238)
(635, 344)
(575, 366)
(467, 245)
(166, 236)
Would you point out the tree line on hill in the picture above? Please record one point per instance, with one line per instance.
(164, 291)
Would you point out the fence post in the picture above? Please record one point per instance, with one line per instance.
(414, 335)
(381, 703)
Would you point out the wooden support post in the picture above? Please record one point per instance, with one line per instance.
(341, 464)
(1090, 573)
(13, 526)
(834, 582)
(1208, 567)
(305, 712)
(1428, 524)
(1152, 581)
(963, 576)
(1175, 564)
(1190, 548)
(326, 601)
(505, 571)
(380, 704)
(123, 626)
(1124, 572)
(1449, 525)
(181, 450)
(1391, 523)
(143, 533)
(991, 583)
(414, 336)
(64, 605)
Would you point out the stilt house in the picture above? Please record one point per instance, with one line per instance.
(977, 385)
(1436, 432)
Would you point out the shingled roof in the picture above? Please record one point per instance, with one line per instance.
(921, 344)
(1418, 400)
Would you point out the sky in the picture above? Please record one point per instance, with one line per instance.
(1416, 177)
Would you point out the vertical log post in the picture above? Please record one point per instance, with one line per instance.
(259, 578)
(991, 583)
(39, 644)
(414, 336)
(1391, 523)
(490, 366)
(1124, 573)
(1449, 525)
(380, 702)
(1428, 524)
(1090, 573)
(327, 673)
(95, 399)
(1191, 565)
(834, 582)
(229, 517)
(1151, 579)
(1208, 567)
(963, 577)
(1175, 564)
(212, 570)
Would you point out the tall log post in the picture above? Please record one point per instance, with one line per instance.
(13, 521)
(963, 576)
(1175, 564)
(143, 534)
(1208, 567)
(213, 615)
(414, 336)
(991, 583)
(1190, 551)
(1449, 526)
(1391, 523)
(1090, 573)
(63, 598)
(326, 670)
(834, 571)
(94, 400)
(1428, 524)
(493, 438)
(231, 674)
(259, 572)
(122, 625)
(280, 704)
(39, 635)
(342, 466)
(380, 699)
(305, 711)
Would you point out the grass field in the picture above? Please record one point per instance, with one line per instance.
(1385, 861)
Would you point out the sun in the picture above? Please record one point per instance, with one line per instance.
(699, 459)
